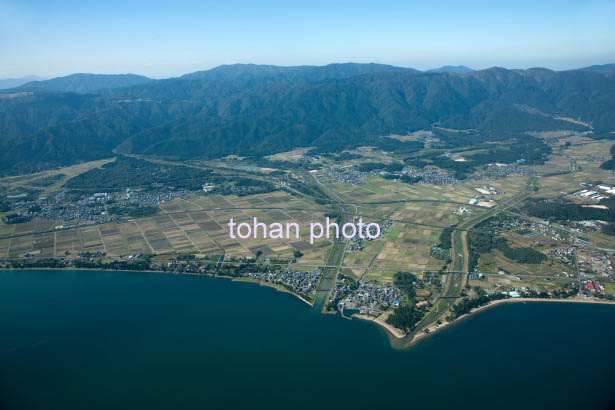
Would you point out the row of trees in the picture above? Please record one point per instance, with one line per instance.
(564, 210)
(131, 172)
(406, 283)
(481, 242)
(529, 149)
(610, 164)
(466, 305)
(405, 317)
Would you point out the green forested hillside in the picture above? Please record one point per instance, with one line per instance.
(259, 110)
(129, 172)
(85, 83)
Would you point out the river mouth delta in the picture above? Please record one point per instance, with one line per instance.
(100, 339)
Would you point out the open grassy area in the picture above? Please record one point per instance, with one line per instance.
(377, 190)
(57, 177)
(495, 261)
(609, 288)
(507, 187)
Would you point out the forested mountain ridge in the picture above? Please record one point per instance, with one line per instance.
(258, 110)
(84, 83)
(16, 82)
(600, 68)
(306, 73)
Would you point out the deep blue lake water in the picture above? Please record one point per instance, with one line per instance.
(117, 340)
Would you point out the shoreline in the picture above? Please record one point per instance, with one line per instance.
(399, 340)
(395, 332)
(276, 286)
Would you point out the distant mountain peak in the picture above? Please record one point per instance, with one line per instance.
(6, 83)
(599, 68)
(308, 73)
(85, 82)
(457, 69)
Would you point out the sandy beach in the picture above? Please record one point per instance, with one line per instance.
(392, 330)
(397, 336)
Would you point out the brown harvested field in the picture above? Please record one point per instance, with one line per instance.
(197, 224)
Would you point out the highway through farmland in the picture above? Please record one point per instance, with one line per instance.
(459, 268)
(335, 259)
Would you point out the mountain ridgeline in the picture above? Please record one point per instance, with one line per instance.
(16, 82)
(85, 83)
(259, 110)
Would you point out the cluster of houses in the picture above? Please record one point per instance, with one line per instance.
(356, 243)
(343, 286)
(497, 171)
(426, 176)
(93, 208)
(371, 298)
(528, 228)
(351, 175)
(347, 174)
(595, 262)
(302, 283)
(591, 286)
(564, 255)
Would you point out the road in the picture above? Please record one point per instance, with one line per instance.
(335, 259)
(459, 269)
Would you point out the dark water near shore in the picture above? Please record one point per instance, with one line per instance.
(114, 340)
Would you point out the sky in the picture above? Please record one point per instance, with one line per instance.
(163, 39)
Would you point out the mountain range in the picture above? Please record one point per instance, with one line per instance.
(16, 82)
(458, 69)
(248, 109)
(85, 83)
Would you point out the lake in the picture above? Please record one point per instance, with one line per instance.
(128, 340)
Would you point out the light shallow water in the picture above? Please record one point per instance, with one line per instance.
(118, 340)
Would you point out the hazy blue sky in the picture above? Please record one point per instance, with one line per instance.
(162, 39)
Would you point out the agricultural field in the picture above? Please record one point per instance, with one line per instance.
(586, 153)
(559, 185)
(378, 189)
(407, 243)
(197, 224)
(408, 248)
(582, 147)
